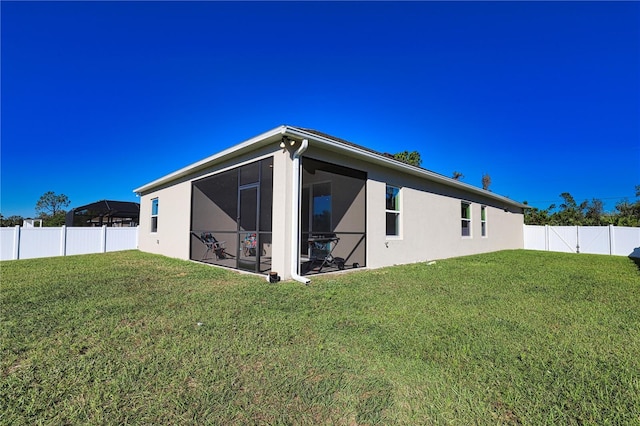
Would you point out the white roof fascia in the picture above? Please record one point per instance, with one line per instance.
(229, 152)
(398, 165)
(330, 144)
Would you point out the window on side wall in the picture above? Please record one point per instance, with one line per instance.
(154, 215)
(393, 211)
(466, 219)
(483, 220)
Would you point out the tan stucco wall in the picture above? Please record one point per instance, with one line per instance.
(281, 248)
(431, 223)
(430, 219)
(172, 238)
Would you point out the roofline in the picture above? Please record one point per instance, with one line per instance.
(392, 163)
(255, 141)
(107, 203)
(331, 144)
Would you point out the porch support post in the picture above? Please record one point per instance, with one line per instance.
(281, 214)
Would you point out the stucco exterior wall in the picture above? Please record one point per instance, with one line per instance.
(430, 218)
(172, 237)
(430, 222)
(282, 214)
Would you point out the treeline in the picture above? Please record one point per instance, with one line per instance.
(57, 219)
(49, 208)
(587, 213)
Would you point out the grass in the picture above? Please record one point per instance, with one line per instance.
(515, 337)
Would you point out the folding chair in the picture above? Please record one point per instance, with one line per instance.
(213, 245)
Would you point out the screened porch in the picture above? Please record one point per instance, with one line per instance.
(333, 218)
(231, 217)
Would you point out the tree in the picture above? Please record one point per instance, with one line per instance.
(11, 220)
(594, 214)
(486, 181)
(412, 157)
(50, 208)
(457, 175)
(628, 213)
(51, 204)
(570, 213)
(536, 216)
(58, 219)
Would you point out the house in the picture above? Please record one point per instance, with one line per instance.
(294, 202)
(104, 212)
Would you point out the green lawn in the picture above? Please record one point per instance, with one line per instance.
(515, 337)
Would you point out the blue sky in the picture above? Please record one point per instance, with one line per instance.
(99, 98)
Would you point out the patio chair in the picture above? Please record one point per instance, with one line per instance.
(213, 245)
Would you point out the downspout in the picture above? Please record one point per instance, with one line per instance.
(295, 213)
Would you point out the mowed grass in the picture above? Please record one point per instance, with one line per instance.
(515, 337)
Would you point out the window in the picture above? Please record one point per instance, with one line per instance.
(466, 219)
(393, 210)
(321, 208)
(154, 215)
(483, 220)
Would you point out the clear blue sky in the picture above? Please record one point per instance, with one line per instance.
(99, 98)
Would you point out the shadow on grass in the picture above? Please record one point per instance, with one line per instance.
(635, 257)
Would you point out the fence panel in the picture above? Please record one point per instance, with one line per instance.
(594, 239)
(40, 242)
(30, 243)
(121, 239)
(535, 237)
(615, 240)
(84, 240)
(563, 239)
(626, 241)
(7, 243)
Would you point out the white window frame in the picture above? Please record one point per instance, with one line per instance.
(483, 222)
(397, 212)
(156, 202)
(468, 220)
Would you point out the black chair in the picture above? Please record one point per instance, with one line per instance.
(213, 245)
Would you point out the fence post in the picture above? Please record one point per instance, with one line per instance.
(577, 239)
(16, 243)
(612, 240)
(63, 240)
(546, 238)
(103, 240)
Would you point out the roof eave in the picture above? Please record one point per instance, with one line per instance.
(228, 153)
(397, 165)
(331, 144)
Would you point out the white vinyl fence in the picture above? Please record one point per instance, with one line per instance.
(29, 243)
(614, 240)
